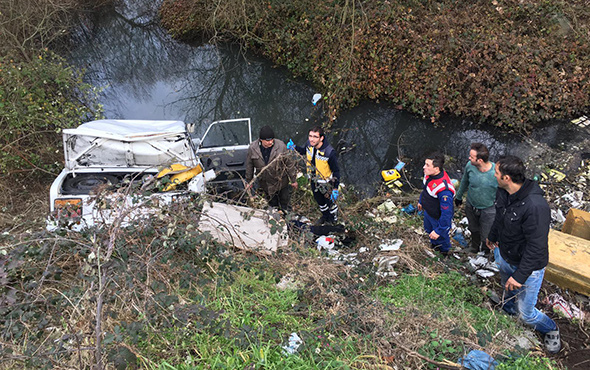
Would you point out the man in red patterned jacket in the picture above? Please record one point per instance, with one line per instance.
(436, 200)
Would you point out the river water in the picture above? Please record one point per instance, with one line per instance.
(145, 74)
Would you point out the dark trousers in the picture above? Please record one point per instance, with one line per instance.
(321, 194)
(480, 224)
(281, 199)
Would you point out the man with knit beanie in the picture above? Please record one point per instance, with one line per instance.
(274, 169)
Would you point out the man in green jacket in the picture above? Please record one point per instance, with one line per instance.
(481, 185)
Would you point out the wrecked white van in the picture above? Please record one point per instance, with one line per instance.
(125, 169)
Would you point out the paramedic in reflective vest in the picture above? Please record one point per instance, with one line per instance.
(322, 166)
(436, 200)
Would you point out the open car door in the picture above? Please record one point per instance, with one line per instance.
(224, 148)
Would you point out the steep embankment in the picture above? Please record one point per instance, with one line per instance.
(506, 62)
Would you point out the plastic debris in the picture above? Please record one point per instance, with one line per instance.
(389, 219)
(574, 198)
(556, 175)
(476, 263)
(399, 166)
(287, 282)
(492, 266)
(484, 273)
(325, 242)
(464, 221)
(386, 207)
(410, 209)
(481, 266)
(316, 98)
(429, 253)
(294, 343)
(559, 304)
(385, 265)
(460, 238)
(391, 245)
(389, 175)
(557, 216)
(478, 360)
(581, 122)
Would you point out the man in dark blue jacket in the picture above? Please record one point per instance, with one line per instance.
(436, 200)
(519, 238)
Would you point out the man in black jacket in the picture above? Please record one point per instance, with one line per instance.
(519, 241)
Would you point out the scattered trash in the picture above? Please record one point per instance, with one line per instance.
(398, 167)
(559, 304)
(363, 249)
(464, 221)
(325, 242)
(456, 256)
(455, 183)
(410, 209)
(429, 253)
(287, 282)
(460, 238)
(386, 207)
(475, 263)
(557, 216)
(390, 175)
(574, 198)
(385, 265)
(481, 266)
(391, 245)
(316, 98)
(492, 266)
(581, 122)
(527, 341)
(484, 273)
(389, 219)
(478, 360)
(294, 343)
(556, 175)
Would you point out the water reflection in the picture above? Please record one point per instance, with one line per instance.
(147, 75)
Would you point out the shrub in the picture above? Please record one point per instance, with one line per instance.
(39, 98)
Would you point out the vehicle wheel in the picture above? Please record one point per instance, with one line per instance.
(84, 183)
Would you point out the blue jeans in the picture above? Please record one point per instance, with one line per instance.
(522, 301)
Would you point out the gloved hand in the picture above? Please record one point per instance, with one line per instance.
(334, 195)
(291, 145)
(458, 202)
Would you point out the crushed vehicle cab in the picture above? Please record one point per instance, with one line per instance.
(125, 169)
(223, 147)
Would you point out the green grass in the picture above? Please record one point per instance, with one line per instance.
(450, 294)
(246, 323)
(527, 362)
